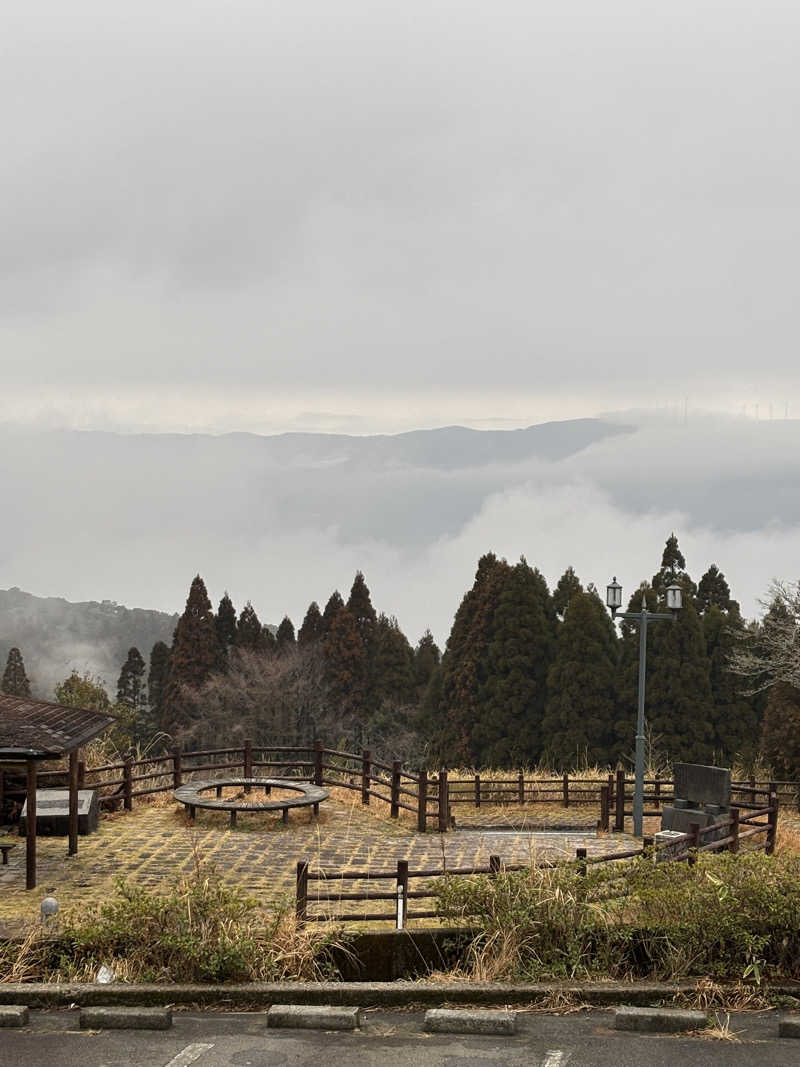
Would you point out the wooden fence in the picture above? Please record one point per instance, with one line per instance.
(724, 835)
(433, 800)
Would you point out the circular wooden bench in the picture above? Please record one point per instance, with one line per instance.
(191, 796)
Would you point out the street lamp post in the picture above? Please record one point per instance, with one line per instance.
(643, 617)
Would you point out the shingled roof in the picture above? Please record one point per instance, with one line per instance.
(37, 729)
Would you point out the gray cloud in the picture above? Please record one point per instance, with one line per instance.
(548, 196)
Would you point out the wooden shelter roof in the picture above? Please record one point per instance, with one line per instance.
(37, 729)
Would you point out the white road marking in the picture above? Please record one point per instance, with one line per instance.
(189, 1055)
(555, 1058)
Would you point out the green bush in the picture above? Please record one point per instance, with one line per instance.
(728, 916)
(199, 931)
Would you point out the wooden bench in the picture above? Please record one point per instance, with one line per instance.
(5, 849)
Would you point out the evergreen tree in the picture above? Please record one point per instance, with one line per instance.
(359, 604)
(453, 719)
(780, 738)
(568, 585)
(284, 639)
(345, 667)
(673, 569)
(579, 720)
(311, 630)
(678, 704)
(427, 658)
(15, 681)
(157, 679)
(249, 631)
(713, 590)
(130, 686)
(394, 663)
(225, 623)
(195, 653)
(331, 610)
(513, 678)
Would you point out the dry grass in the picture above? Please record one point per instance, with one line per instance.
(709, 995)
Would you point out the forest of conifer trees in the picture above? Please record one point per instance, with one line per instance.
(528, 676)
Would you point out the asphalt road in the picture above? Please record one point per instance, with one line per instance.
(388, 1039)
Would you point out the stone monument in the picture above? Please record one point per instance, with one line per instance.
(702, 795)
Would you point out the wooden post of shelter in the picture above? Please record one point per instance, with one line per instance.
(72, 849)
(422, 802)
(30, 843)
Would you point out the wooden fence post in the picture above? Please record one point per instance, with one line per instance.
(422, 802)
(604, 807)
(619, 797)
(444, 802)
(657, 798)
(365, 776)
(565, 789)
(734, 831)
(402, 894)
(477, 790)
(318, 776)
(797, 791)
(694, 842)
(394, 803)
(301, 896)
(247, 762)
(494, 866)
(177, 771)
(772, 819)
(580, 856)
(127, 783)
(753, 789)
(521, 788)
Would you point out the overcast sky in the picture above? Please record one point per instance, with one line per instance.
(367, 215)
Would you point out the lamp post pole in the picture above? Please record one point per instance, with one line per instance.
(642, 618)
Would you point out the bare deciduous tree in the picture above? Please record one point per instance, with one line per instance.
(769, 653)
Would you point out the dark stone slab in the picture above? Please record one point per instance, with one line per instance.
(658, 1020)
(52, 812)
(681, 819)
(702, 785)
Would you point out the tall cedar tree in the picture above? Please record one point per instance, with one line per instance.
(359, 604)
(157, 679)
(568, 585)
(780, 738)
(736, 717)
(311, 630)
(249, 631)
(394, 663)
(345, 667)
(130, 686)
(450, 719)
(284, 638)
(578, 724)
(713, 589)
(513, 677)
(225, 623)
(678, 703)
(331, 609)
(195, 653)
(427, 658)
(15, 681)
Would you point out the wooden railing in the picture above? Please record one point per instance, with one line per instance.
(431, 798)
(725, 835)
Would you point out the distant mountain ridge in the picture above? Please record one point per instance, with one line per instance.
(56, 636)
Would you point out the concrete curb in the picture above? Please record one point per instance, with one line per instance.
(789, 1026)
(463, 1021)
(366, 994)
(13, 1015)
(126, 1018)
(658, 1020)
(309, 1017)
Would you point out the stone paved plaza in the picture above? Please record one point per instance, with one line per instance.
(155, 843)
